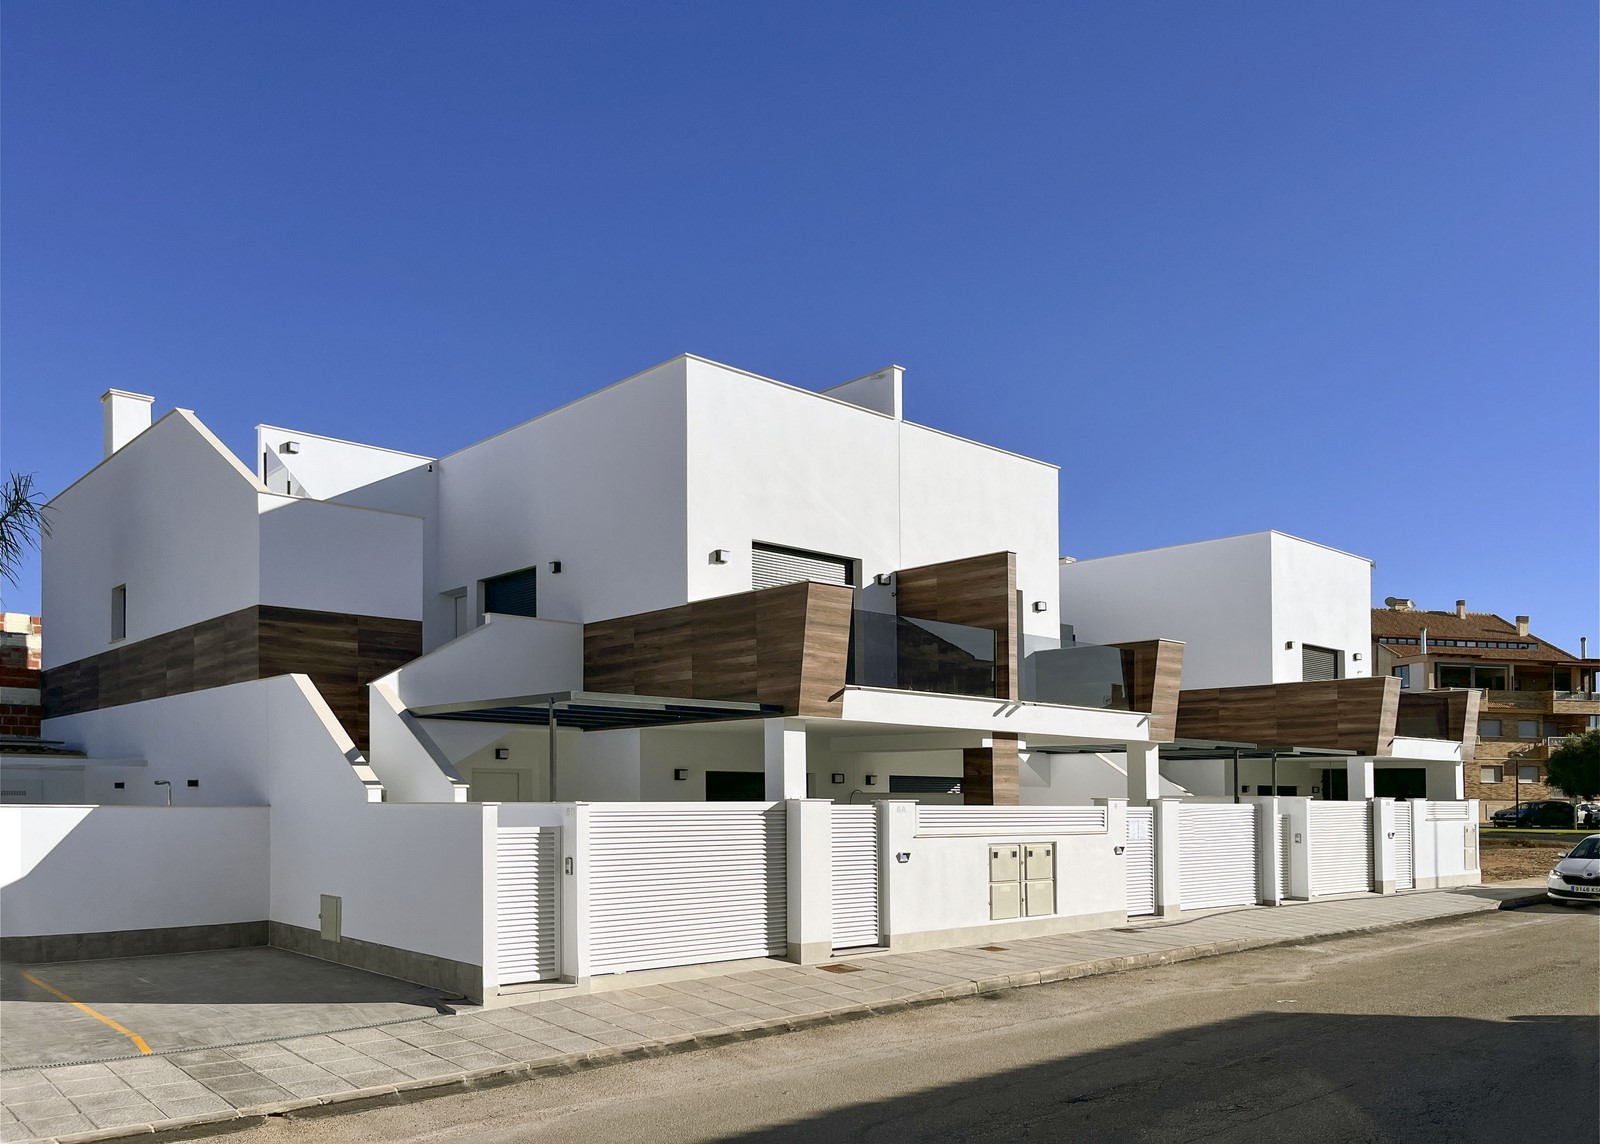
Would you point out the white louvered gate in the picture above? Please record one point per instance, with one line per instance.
(1341, 848)
(1281, 840)
(1141, 855)
(706, 882)
(855, 876)
(1405, 856)
(771, 566)
(1217, 855)
(525, 903)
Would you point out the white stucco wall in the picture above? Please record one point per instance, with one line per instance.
(88, 869)
(339, 558)
(325, 467)
(1235, 602)
(173, 516)
(597, 485)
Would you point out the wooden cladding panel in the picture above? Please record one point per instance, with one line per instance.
(341, 653)
(1461, 719)
(979, 591)
(1157, 676)
(1349, 714)
(990, 776)
(784, 646)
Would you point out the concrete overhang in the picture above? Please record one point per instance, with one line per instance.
(1039, 723)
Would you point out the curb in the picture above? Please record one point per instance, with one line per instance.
(497, 1076)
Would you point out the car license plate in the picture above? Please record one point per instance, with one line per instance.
(1584, 889)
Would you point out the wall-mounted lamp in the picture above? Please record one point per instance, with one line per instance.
(289, 447)
(502, 752)
(555, 567)
(1356, 656)
(903, 856)
(837, 777)
(1288, 645)
(1040, 606)
(719, 556)
(1118, 849)
(872, 780)
(883, 579)
(680, 774)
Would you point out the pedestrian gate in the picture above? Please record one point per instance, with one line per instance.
(855, 876)
(1341, 848)
(1217, 855)
(525, 901)
(1141, 855)
(1405, 855)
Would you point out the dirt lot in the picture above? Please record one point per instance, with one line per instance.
(1509, 863)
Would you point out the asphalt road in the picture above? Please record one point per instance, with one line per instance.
(1484, 1029)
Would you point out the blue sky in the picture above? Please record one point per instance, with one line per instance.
(1326, 268)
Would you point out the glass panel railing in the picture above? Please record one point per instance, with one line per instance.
(1079, 675)
(1423, 717)
(909, 654)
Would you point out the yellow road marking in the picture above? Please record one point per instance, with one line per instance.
(137, 1040)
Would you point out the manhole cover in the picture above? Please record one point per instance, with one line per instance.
(840, 968)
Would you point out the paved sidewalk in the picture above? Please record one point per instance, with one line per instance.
(145, 1094)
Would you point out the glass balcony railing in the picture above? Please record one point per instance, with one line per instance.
(1423, 717)
(1079, 675)
(909, 654)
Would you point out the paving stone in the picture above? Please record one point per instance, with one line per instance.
(59, 1126)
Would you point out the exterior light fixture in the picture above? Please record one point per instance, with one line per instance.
(1040, 606)
(1356, 656)
(555, 567)
(680, 774)
(903, 856)
(1288, 645)
(719, 556)
(289, 447)
(883, 579)
(838, 778)
(872, 780)
(502, 752)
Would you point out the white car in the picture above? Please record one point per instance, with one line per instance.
(1576, 877)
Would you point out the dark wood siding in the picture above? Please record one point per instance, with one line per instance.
(1155, 677)
(979, 591)
(784, 646)
(341, 653)
(1351, 714)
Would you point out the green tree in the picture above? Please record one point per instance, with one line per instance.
(22, 522)
(1574, 766)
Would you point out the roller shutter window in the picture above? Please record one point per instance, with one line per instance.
(1318, 663)
(513, 594)
(771, 566)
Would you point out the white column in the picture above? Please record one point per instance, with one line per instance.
(810, 904)
(1117, 840)
(1168, 895)
(1298, 811)
(1424, 846)
(1144, 773)
(1446, 782)
(1361, 780)
(897, 829)
(1383, 841)
(1267, 847)
(785, 755)
(1470, 842)
(490, 896)
(573, 877)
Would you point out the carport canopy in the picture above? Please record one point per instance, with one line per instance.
(595, 710)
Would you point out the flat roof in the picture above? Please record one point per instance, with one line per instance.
(595, 710)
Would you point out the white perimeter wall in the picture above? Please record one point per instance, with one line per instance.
(87, 869)
(173, 516)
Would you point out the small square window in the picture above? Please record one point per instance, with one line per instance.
(1527, 728)
(1527, 774)
(1489, 729)
(1491, 774)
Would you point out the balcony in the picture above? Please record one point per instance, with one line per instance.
(1079, 675)
(1423, 717)
(1543, 702)
(903, 653)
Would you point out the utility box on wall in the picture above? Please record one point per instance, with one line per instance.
(1005, 882)
(1022, 880)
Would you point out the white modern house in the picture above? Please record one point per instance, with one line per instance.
(702, 666)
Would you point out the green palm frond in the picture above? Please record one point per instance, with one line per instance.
(22, 522)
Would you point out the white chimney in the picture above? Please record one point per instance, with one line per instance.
(1522, 627)
(1461, 609)
(124, 416)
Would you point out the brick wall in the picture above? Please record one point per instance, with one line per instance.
(19, 673)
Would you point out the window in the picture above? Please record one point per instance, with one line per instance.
(1491, 774)
(771, 566)
(1320, 663)
(1488, 728)
(119, 612)
(513, 594)
(1527, 728)
(1466, 675)
(1527, 774)
(924, 784)
(1404, 673)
